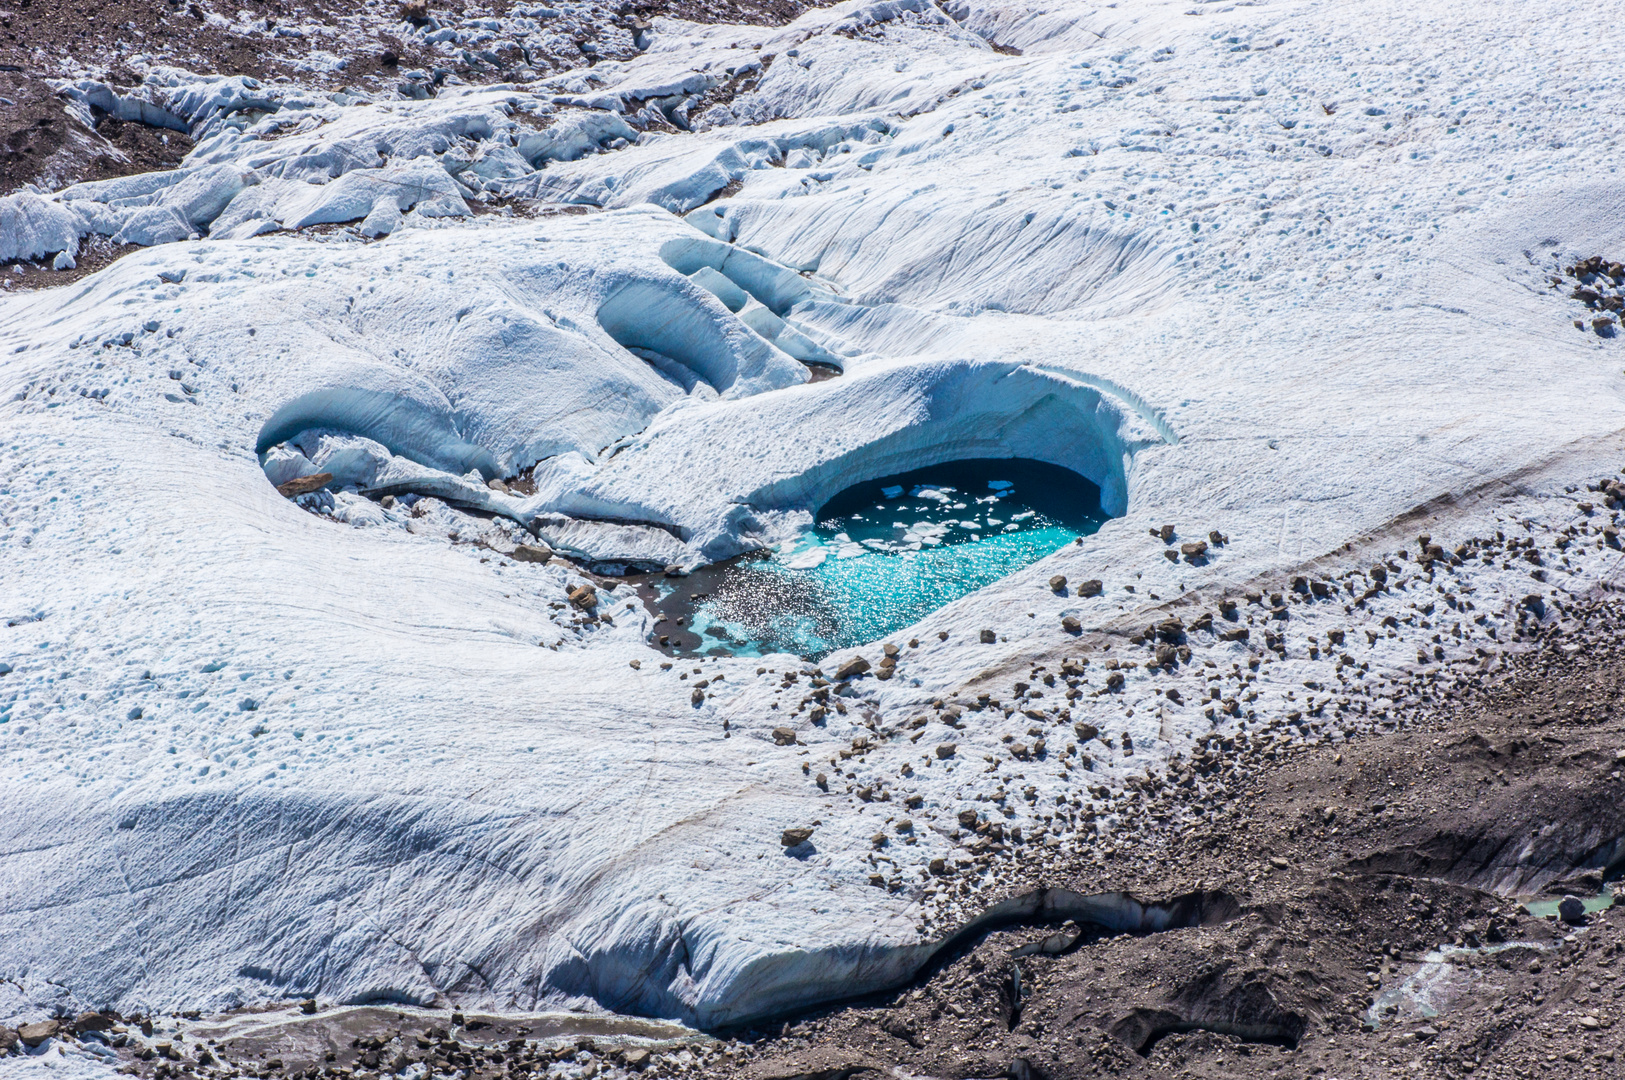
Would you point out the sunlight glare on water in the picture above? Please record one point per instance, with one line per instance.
(887, 552)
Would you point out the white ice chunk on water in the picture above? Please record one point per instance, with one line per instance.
(1023, 516)
(931, 493)
(807, 560)
(891, 492)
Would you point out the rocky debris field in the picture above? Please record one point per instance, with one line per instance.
(1377, 928)
(379, 49)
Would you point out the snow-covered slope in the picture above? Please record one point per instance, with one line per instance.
(1276, 270)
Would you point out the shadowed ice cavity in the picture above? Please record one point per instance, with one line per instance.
(786, 983)
(761, 292)
(676, 320)
(512, 380)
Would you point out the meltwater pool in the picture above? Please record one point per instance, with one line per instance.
(882, 554)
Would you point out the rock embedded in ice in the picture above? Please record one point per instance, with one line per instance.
(304, 485)
(532, 553)
(34, 1034)
(851, 669)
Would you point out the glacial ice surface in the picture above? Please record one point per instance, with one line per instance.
(1278, 270)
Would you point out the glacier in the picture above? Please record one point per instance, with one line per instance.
(1278, 271)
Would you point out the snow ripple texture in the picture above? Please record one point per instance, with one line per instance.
(1277, 269)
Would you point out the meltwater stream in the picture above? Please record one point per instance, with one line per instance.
(882, 554)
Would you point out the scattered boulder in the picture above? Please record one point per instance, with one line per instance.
(584, 597)
(851, 669)
(947, 749)
(92, 1021)
(1092, 587)
(791, 837)
(783, 736)
(1572, 910)
(1058, 583)
(308, 1006)
(1071, 625)
(989, 637)
(34, 1034)
(1194, 549)
(8, 1040)
(1167, 655)
(1084, 731)
(891, 651)
(1166, 533)
(304, 485)
(637, 1058)
(533, 553)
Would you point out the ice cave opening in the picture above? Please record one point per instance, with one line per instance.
(881, 555)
